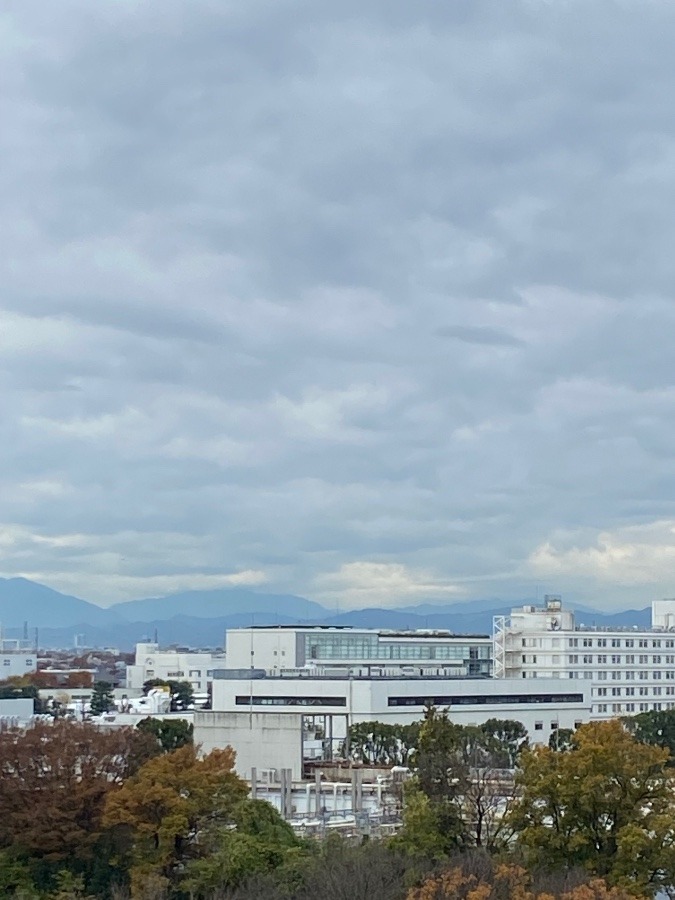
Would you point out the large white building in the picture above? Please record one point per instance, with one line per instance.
(418, 653)
(174, 665)
(542, 707)
(629, 669)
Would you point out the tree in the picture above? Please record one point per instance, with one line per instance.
(55, 779)
(505, 740)
(656, 727)
(101, 698)
(382, 743)
(441, 774)
(20, 687)
(490, 882)
(257, 842)
(170, 734)
(182, 695)
(170, 801)
(593, 805)
(561, 739)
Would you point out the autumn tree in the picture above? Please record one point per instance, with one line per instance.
(55, 779)
(170, 801)
(170, 734)
(598, 805)
(507, 881)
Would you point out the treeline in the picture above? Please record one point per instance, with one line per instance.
(111, 815)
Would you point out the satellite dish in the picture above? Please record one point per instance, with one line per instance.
(555, 624)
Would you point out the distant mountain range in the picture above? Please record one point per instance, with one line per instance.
(201, 618)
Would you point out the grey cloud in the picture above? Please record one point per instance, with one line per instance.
(479, 334)
(234, 234)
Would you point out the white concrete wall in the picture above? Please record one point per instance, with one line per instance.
(19, 708)
(269, 740)
(262, 648)
(17, 663)
(663, 613)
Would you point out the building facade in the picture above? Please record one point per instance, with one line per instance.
(629, 670)
(383, 652)
(542, 707)
(172, 665)
(15, 663)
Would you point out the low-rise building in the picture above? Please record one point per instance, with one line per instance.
(542, 707)
(174, 664)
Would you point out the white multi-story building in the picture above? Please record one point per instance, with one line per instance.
(421, 653)
(629, 669)
(174, 665)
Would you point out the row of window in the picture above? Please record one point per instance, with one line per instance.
(622, 676)
(290, 701)
(629, 660)
(631, 707)
(362, 647)
(483, 699)
(588, 659)
(539, 726)
(656, 643)
(444, 700)
(630, 691)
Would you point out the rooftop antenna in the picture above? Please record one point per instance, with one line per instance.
(155, 635)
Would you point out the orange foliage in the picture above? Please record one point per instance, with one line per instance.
(506, 881)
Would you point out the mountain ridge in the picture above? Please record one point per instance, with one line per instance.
(200, 618)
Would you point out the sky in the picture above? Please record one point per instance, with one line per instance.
(371, 302)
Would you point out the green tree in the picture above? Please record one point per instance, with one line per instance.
(656, 727)
(171, 734)
(256, 842)
(102, 698)
(596, 804)
(561, 739)
(21, 688)
(505, 739)
(382, 743)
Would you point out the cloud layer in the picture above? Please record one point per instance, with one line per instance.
(369, 301)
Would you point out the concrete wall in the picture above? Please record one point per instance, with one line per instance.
(260, 740)
(19, 663)
(260, 648)
(18, 708)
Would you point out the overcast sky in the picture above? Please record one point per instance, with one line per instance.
(372, 302)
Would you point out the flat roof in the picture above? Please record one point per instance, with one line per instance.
(382, 632)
